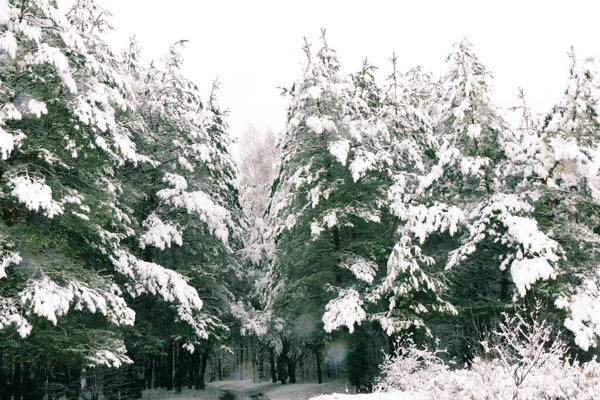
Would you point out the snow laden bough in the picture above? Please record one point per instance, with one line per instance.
(43, 47)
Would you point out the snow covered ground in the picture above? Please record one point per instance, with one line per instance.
(245, 390)
(374, 396)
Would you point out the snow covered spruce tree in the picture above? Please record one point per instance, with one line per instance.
(60, 146)
(326, 209)
(186, 213)
(412, 285)
(67, 225)
(538, 221)
(556, 160)
(498, 251)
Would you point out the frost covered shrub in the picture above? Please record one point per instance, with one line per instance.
(423, 372)
(410, 368)
(522, 360)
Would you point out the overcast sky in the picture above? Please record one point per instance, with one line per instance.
(254, 46)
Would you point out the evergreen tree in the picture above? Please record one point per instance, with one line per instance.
(61, 144)
(556, 161)
(184, 207)
(326, 205)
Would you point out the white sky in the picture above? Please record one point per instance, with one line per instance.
(253, 46)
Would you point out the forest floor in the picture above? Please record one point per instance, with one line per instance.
(248, 390)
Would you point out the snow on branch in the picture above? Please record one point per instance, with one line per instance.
(159, 234)
(217, 218)
(45, 298)
(148, 277)
(532, 252)
(7, 258)
(35, 195)
(345, 310)
(113, 358)
(361, 268)
(583, 308)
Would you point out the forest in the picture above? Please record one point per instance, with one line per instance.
(400, 236)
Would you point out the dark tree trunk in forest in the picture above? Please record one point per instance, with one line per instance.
(272, 362)
(26, 382)
(242, 362)
(253, 358)
(179, 367)
(288, 361)
(30, 391)
(161, 365)
(169, 370)
(318, 357)
(203, 364)
(220, 367)
(291, 367)
(281, 368)
(110, 387)
(153, 377)
(134, 382)
(261, 362)
(148, 373)
(392, 341)
(301, 367)
(4, 379)
(336, 248)
(73, 381)
(16, 381)
(195, 370)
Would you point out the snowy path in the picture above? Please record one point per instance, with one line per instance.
(248, 390)
(242, 390)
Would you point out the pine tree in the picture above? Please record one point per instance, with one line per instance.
(185, 212)
(475, 169)
(556, 158)
(327, 205)
(60, 145)
(411, 286)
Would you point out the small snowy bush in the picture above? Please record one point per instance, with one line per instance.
(522, 360)
(410, 368)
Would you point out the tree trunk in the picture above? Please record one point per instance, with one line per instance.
(505, 287)
(26, 382)
(288, 361)
(169, 370)
(253, 356)
(195, 369)
(148, 374)
(73, 376)
(272, 362)
(4, 379)
(318, 357)
(179, 368)
(203, 365)
(281, 368)
(161, 365)
(135, 382)
(30, 383)
(16, 383)
(301, 367)
(392, 344)
(336, 248)
(153, 379)
(242, 362)
(291, 366)
(220, 367)
(261, 362)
